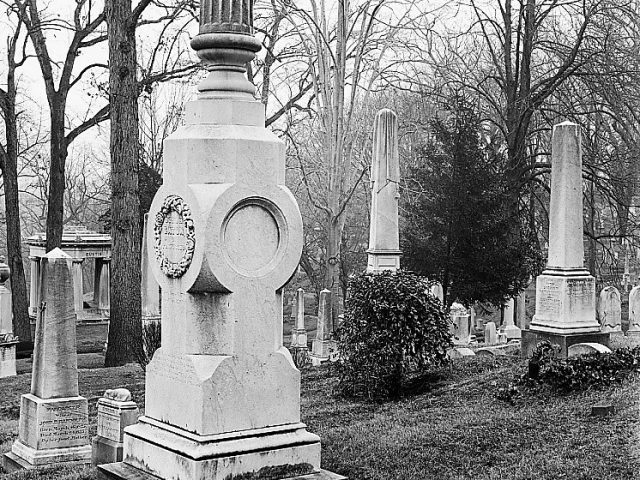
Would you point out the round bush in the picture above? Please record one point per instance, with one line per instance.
(393, 327)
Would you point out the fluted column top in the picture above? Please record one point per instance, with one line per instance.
(225, 44)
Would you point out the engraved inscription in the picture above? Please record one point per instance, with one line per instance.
(174, 236)
(109, 427)
(63, 426)
(173, 367)
(549, 297)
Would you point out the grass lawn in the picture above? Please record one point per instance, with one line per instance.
(455, 430)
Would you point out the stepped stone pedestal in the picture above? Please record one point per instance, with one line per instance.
(222, 397)
(565, 292)
(53, 427)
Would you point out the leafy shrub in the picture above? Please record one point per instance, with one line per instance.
(392, 328)
(596, 370)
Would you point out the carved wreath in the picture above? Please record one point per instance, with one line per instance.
(176, 204)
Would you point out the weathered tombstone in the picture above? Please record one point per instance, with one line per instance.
(115, 412)
(222, 396)
(565, 292)
(457, 353)
(322, 345)
(299, 332)
(634, 311)
(53, 426)
(578, 349)
(437, 291)
(461, 329)
(510, 329)
(521, 311)
(610, 310)
(8, 341)
(384, 241)
(490, 334)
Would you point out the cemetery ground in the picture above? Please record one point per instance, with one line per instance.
(452, 427)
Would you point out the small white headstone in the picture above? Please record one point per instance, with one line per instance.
(609, 310)
(634, 311)
(490, 334)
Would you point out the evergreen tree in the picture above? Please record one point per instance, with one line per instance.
(457, 215)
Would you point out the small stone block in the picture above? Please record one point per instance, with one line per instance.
(602, 410)
(490, 352)
(104, 451)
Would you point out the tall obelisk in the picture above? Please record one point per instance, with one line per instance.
(565, 292)
(222, 393)
(384, 244)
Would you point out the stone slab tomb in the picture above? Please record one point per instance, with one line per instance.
(53, 427)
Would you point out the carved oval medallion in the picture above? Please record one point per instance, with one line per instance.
(175, 236)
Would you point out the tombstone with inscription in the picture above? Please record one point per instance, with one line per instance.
(53, 427)
(115, 412)
(565, 292)
(610, 310)
(634, 311)
(222, 396)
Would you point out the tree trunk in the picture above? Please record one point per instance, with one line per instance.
(58, 150)
(19, 299)
(125, 329)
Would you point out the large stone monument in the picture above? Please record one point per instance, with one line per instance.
(53, 426)
(510, 329)
(384, 244)
(565, 292)
(222, 393)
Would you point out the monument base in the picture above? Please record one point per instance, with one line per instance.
(565, 302)
(105, 450)
(531, 338)
(164, 451)
(12, 462)
(321, 351)
(381, 260)
(122, 471)
(512, 332)
(52, 431)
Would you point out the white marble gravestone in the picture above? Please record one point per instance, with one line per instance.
(299, 332)
(8, 341)
(634, 311)
(461, 329)
(116, 411)
(222, 397)
(510, 329)
(384, 241)
(565, 292)
(53, 426)
(322, 345)
(610, 310)
(490, 334)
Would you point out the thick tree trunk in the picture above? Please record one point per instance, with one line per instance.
(19, 299)
(55, 201)
(125, 330)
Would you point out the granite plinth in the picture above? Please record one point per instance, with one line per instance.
(168, 452)
(531, 338)
(565, 303)
(379, 261)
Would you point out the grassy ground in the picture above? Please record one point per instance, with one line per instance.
(455, 430)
